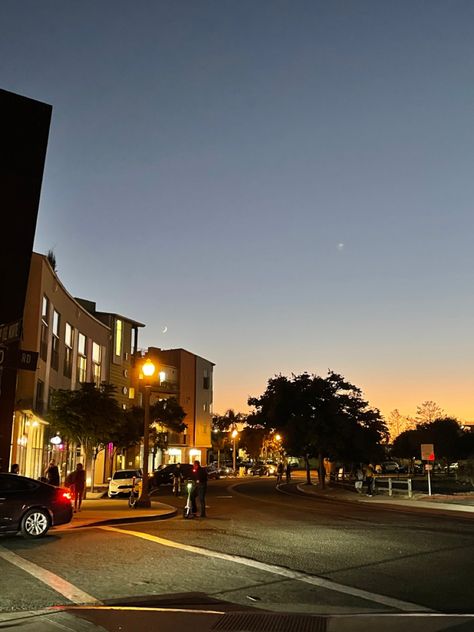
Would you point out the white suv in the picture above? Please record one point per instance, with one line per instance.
(122, 481)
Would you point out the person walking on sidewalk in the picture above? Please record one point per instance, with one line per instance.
(78, 486)
(369, 477)
(52, 473)
(199, 475)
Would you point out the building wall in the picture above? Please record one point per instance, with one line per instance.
(195, 400)
(31, 433)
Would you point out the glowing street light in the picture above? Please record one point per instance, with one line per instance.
(148, 370)
(234, 455)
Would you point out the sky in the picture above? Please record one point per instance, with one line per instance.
(281, 185)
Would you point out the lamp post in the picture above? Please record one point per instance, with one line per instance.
(234, 435)
(148, 370)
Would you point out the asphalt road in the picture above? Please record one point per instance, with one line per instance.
(258, 547)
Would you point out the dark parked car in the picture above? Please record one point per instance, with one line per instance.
(32, 507)
(164, 476)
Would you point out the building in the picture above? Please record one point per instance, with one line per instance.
(73, 347)
(189, 378)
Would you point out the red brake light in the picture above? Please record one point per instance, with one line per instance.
(64, 495)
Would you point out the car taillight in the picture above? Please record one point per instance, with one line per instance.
(64, 496)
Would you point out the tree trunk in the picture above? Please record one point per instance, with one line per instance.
(218, 458)
(321, 472)
(308, 471)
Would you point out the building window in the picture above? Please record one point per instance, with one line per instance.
(39, 404)
(204, 407)
(68, 345)
(131, 393)
(118, 337)
(81, 358)
(44, 328)
(55, 341)
(96, 363)
(205, 380)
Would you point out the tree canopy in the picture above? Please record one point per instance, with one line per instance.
(444, 433)
(325, 417)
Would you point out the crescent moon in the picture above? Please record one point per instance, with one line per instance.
(165, 329)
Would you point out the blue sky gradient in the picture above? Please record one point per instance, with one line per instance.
(286, 185)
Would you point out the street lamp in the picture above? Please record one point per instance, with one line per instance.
(148, 370)
(234, 435)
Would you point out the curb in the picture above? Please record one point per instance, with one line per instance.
(443, 508)
(123, 520)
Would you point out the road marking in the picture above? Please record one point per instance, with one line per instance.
(60, 585)
(321, 582)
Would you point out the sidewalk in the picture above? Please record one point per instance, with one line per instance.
(460, 503)
(101, 511)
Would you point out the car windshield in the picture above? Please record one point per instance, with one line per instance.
(125, 474)
(237, 235)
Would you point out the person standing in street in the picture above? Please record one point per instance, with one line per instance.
(78, 486)
(52, 473)
(369, 477)
(288, 472)
(199, 476)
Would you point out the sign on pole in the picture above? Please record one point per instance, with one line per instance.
(427, 452)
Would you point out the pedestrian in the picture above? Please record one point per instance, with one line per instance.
(280, 469)
(288, 472)
(199, 475)
(359, 480)
(178, 480)
(15, 469)
(52, 473)
(369, 477)
(78, 485)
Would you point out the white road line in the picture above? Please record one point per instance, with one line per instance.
(327, 584)
(60, 585)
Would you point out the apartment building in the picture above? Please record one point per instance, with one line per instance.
(189, 378)
(73, 347)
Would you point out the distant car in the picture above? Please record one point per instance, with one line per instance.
(390, 467)
(32, 507)
(122, 481)
(263, 469)
(212, 472)
(164, 476)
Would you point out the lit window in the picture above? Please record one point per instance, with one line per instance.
(45, 309)
(55, 341)
(81, 359)
(118, 337)
(96, 362)
(56, 320)
(81, 344)
(162, 376)
(96, 353)
(68, 344)
(131, 393)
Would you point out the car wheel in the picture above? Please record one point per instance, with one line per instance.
(35, 523)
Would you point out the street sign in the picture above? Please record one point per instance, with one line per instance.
(427, 452)
(10, 332)
(428, 467)
(27, 360)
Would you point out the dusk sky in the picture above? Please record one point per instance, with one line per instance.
(286, 185)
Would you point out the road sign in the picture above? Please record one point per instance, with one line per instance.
(10, 332)
(427, 452)
(27, 360)
(428, 467)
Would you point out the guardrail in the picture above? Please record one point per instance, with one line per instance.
(395, 485)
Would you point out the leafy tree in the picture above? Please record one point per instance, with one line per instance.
(89, 416)
(323, 417)
(444, 433)
(251, 440)
(427, 412)
(221, 425)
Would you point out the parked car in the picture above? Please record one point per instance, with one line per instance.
(32, 507)
(164, 475)
(122, 481)
(390, 467)
(263, 469)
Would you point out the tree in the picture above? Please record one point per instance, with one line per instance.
(323, 417)
(398, 423)
(251, 440)
(221, 424)
(89, 416)
(167, 415)
(427, 412)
